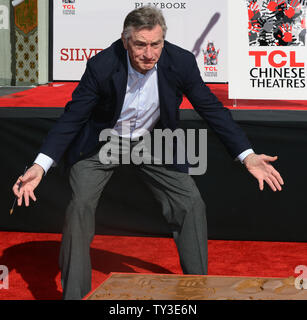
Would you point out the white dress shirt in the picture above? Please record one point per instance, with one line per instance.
(140, 110)
(141, 105)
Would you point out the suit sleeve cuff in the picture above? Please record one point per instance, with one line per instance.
(244, 154)
(44, 161)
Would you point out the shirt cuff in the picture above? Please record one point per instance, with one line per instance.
(44, 161)
(244, 154)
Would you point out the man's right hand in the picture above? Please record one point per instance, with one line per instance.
(30, 180)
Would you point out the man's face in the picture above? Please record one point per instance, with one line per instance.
(144, 48)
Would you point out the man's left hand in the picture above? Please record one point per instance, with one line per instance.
(259, 166)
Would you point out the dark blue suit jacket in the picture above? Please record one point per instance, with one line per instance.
(97, 101)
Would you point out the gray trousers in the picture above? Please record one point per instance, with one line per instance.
(182, 207)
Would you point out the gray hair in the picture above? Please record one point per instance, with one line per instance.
(146, 17)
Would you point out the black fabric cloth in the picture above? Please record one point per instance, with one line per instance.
(244, 214)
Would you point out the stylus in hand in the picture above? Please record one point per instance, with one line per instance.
(19, 186)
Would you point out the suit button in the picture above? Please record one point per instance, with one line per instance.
(81, 153)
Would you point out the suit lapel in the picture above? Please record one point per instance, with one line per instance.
(119, 80)
(166, 85)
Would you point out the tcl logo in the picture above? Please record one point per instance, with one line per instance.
(210, 68)
(69, 7)
(276, 58)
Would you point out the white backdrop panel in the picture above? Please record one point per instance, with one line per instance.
(280, 72)
(83, 28)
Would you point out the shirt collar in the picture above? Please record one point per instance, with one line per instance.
(132, 71)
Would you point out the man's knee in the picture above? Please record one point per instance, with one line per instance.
(194, 197)
(197, 200)
(195, 207)
(80, 219)
(81, 209)
(82, 203)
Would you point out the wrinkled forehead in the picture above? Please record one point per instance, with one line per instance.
(146, 34)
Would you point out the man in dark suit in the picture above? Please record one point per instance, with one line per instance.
(139, 79)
